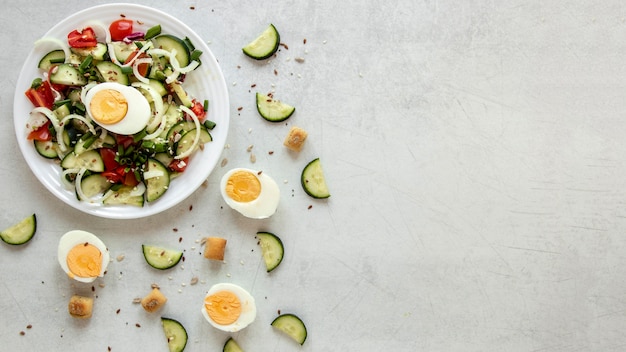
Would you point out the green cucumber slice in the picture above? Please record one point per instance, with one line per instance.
(273, 110)
(291, 325)
(47, 149)
(90, 160)
(21, 232)
(313, 180)
(54, 57)
(175, 333)
(169, 42)
(67, 75)
(111, 72)
(161, 258)
(157, 185)
(124, 195)
(94, 184)
(271, 248)
(263, 46)
(186, 141)
(231, 346)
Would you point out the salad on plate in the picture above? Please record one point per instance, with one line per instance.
(111, 107)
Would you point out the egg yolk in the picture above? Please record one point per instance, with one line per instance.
(243, 186)
(108, 106)
(223, 307)
(84, 260)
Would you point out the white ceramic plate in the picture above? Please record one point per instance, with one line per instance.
(206, 82)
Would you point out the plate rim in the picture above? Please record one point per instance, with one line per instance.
(214, 79)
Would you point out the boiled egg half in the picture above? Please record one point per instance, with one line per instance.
(254, 194)
(82, 255)
(118, 108)
(229, 307)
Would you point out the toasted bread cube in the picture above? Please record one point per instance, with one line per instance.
(153, 301)
(80, 307)
(214, 248)
(295, 138)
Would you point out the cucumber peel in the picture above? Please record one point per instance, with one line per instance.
(313, 180)
(175, 333)
(291, 325)
(263, 46)
(21, 232)
(271, 248)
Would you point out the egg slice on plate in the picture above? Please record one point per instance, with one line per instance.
(252, 193)
(229, 307)
(117, 108)
(82, 255)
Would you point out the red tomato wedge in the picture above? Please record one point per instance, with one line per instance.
(41, 134)
(41, 96)
(82, 39)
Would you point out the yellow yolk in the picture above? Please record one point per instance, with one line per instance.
(108, 106)
(84, 260)
(223, 307)
(243, 186)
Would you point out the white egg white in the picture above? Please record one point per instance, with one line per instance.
(262, 207)
(248, 307)
(76, 237)
(138, 113)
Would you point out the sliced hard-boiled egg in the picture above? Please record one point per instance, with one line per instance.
(82, 255)
(118, 108)
(252, 193)
(229, 307)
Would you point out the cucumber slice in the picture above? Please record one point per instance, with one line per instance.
(273, 110)
(231, 346)
(21, 232)
(110, 72)
(313, 180)
(47, 149)
(175, 333)
(186, 141)
(54, 57)
(94, 184)
(125, 195)
(263, 46)
(169, 42)
(157, 185)
(271, 248)
(91, 160)
(161, 258)
(291, 325)
(98, 52)
(67, 75)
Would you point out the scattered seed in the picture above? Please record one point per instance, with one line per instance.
(299, 59)
(192, 7)
(240, 108)
(180, 239)
(304, 41)
(275, 72)
(117, 311)
(93, 289)
(310, 206)
(29, 326)
(224, 162)
(270, 152)
(101, 285)
(138, 325)
(259, 173)
(154, 285)
(194, 280)
(279, 312)
(253, 85)
(120, 257)
(22, 333)
(175, 229)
